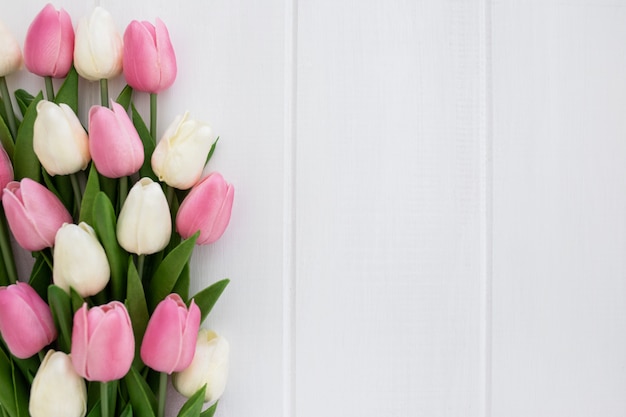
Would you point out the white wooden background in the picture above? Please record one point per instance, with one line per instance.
(430, 214)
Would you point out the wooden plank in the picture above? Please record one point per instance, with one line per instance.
(388, 209)
(559, 235)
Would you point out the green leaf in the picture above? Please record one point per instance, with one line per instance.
(25, 162)
(182, 284)
(7, 393)
(105, 227)
(20, 393)
(76, 301)
(210, 411)
(168, 271)
(6, 139)
(141, 397)
(40, 276)
(127, 411)
(61, 307)
(53, 183)
(193, 406)
(96, 410)
(148, 144)
(91, 190)
(24, 100)
(207, 298)
(137, 307)
(68, 93)
(125, 97)
(208, 158)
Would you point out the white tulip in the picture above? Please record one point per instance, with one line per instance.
(98, 46)
(10, 53)
(59, 140)
(80, 261)
(209, 366)
(180, 155)
(57, 390)
(144, 225)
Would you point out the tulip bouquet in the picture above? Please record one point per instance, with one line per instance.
(111, 214)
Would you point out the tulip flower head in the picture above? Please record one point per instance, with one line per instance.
(26, 321)
(34, 214)
(180, 155)
(57, 389)
(209, 367)
(98, 48)
(103, 344)
(114, 144)
(79, 260)
(49, 43)
(170, 339)
(59, 140)
(10, 53)
(6, 169)
(144, 225)
(149, 61)
(207, 209)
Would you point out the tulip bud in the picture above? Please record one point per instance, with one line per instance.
(10, 53)
(114, 143)
(79, 260)
(49, 43)
(180, 155)
(26, 321)
(209, 366)
(57, 389)
(149, 61)
(59, 140)
(170, 339)
(34, 214)
(98, 49)
(144, 225)
(6, 169)
(206, 208)
(103, 345)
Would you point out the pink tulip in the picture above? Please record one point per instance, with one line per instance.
(49, 44)
(26, 321)
(170, 339)
(206, 208)
(6, 169)
(114, 144)
(149, 61)
(103, 345)
(34, 214)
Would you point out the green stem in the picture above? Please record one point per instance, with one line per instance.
(162, 394)
(153, 115)
(140, 261)
(104, 399)
(104, 92)
(77, 193)
(8, 106)
(123, 190)
(169, 195)
(49, 88)
(7, 250)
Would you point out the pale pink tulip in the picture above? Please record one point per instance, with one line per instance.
(114, 144)
(170, 339)
(34, 214)
(149, 61)
(6, 169)
(49, 44)
(103, 345)
(26, 321)
(10, 52)
(207, 209)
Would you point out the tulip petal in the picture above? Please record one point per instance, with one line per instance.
(140, 60)
(162, 343)
(80, 341)
(167, 57)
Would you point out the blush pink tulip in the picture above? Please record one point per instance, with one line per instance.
(34, 214)
(114, 144)
(103, 345)
(170, 339)
(6, 169)
(207, 209)
(26, 321)
(149, 61)
(49, 43)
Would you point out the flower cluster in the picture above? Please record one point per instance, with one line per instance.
(111, 216)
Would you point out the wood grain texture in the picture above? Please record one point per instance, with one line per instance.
(387, 209)
(559, 235)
